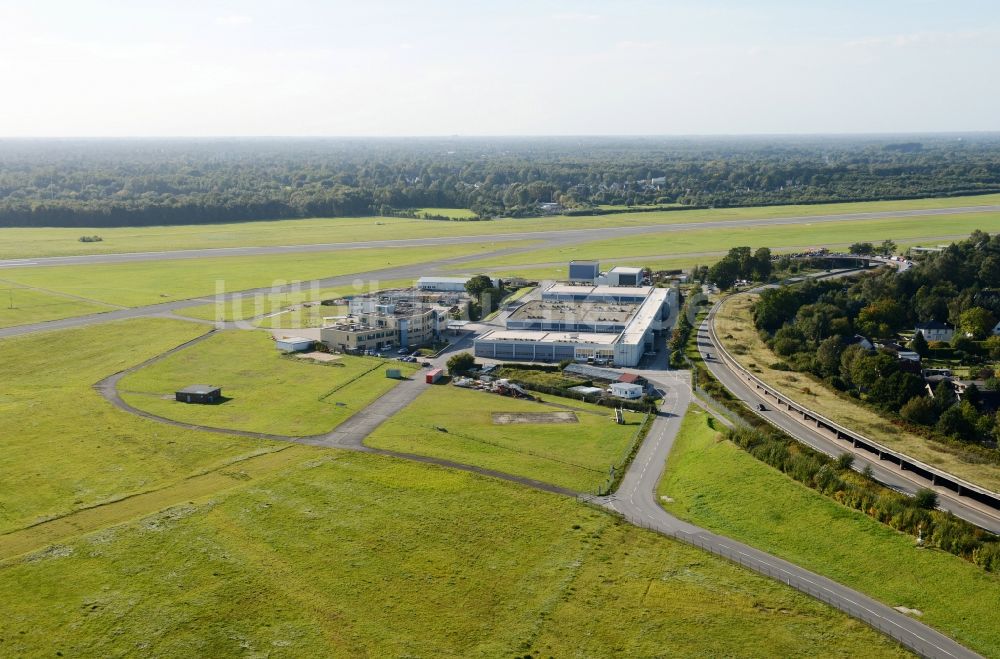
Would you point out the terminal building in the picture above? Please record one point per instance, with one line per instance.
(584, 322)
(404, 317)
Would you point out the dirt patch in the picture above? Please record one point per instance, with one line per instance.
(507, 418)
(318, 356)
(909, 612)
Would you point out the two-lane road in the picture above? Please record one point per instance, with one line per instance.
(808, 434)
(636, 500)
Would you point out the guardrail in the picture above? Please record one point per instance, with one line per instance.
(906, 463)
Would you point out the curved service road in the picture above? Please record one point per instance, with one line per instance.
(635, 499)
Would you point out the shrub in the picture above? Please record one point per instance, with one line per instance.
(463, 362)
(836, 382)
(987, 556)
(919, 409)
(925, 498)
(845, 461)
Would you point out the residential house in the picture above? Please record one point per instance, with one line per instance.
(935, 331)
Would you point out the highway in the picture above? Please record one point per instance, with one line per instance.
(551, 238)
(885, 472)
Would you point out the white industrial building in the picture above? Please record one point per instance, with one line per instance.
(456, 284)
(589, 272)
(596, 323)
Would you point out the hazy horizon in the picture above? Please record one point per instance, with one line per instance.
(547, 68)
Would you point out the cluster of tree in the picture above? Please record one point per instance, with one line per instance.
(916, 516)
(814, 327)
(885, 248)
(486, 297)
(679, 337)
(147, 182)
(739, 264)
(461, 363)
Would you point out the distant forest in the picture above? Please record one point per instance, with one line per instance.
(91, 183)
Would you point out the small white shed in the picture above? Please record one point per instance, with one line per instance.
(293, 344)
(626, 390)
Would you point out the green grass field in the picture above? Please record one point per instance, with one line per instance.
(716, 485)
(21, 306)
(702, 242)
(32, 243)
(66, 448)
(572, 455)
(545, 378)
(357, 555)
(252, 306)
(453, 213)
(270, 393)
(541, 271)
(140, 283)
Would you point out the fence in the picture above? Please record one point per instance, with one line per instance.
(924, 642)
(617, 470)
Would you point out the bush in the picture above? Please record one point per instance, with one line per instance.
(780, 366)
(920, 409)
(987, 556)
(845, 461)
(925, 498)
(836, 382)
(463, 362)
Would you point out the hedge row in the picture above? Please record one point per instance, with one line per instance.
(832, 478)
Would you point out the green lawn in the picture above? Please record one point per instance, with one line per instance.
(269, 392)
(453, 213)
(545, 378)
(21, 306)
(252, 306)
(140, 283)
(699, 242)
(572, 455)
(716, 485)
(32, 242)
(65, 447)
(358, 555)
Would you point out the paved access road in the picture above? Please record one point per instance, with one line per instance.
(884, 472)
(552, 238)
(636, 500)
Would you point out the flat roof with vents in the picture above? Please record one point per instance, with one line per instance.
(580, 312)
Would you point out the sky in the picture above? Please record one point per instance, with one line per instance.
(508, 67)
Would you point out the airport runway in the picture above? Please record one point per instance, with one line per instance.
(551, 238)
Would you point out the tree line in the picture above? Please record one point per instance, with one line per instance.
(818, 326)
(90, 183)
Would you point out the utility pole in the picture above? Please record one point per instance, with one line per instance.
(11, 292)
